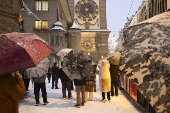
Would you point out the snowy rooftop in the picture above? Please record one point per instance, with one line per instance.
(93, 30)
(74, 26)
(58, 26)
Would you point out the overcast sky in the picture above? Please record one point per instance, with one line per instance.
(117, 13)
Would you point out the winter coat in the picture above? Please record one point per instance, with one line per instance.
(78, 82)
(90, 84)
(104, 76)
(114, 73)
(12, 90)
(24, 74)
(63, 76)
(55, 72)
(39, 80)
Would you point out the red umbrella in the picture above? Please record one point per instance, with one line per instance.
(19, 51)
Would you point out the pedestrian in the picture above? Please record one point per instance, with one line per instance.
(49, 74)
(89, 82)
(12, 90)
(114, 79)
(66, 84)
(80, 92)
(39, 83)
(104, 80)
(72, 86)
(89, 88)
(26, 78)
(94, 71)
(55, 74)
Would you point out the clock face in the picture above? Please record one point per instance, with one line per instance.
(86, 10)
(87, 44)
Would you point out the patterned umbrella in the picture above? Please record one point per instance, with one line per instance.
(21, 51)
(64, 52)
(77, 65)
(41, 69)
(146, 59)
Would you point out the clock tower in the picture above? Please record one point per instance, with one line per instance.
(90, 17)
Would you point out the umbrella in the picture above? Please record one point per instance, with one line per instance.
(76, 65)
(64, 52)
(40, 70)
(114, 58)
(145, 57)
(20, 51)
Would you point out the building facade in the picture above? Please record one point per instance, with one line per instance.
(90, 17)
(10, 15)
(53, 20)
(49, 19)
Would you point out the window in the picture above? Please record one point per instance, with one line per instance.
(41, 5)
(57, 40)
(40, 25)
(52, 40)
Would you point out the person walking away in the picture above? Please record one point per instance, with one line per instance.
(49, 74)
(80, 92)
(12, 90)
(39, 83)
(26, 78)
(104, 80)
(55, 74)
(66, 84)
(114, 79)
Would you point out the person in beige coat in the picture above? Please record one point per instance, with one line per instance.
(105, 80)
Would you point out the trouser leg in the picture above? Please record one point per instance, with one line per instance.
(103, 95)
(90, 96)
(44, 93)
(36, 92)
(69, 89)
(56, 82)
(53, 81)
(27, 81)
(78, 94)
(115, 86)
(64, 89)
(108, 95)
(86, 96)
(112, 89)
(83, 93)
(72, 86)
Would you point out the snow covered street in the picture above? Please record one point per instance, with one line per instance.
(56, 104)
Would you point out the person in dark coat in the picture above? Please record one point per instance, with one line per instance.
(94, 71)
(49, 74)
(26, 78)
(66, 84)
(114, 79)
(55, 74)
(80, 89)
(39, 83)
